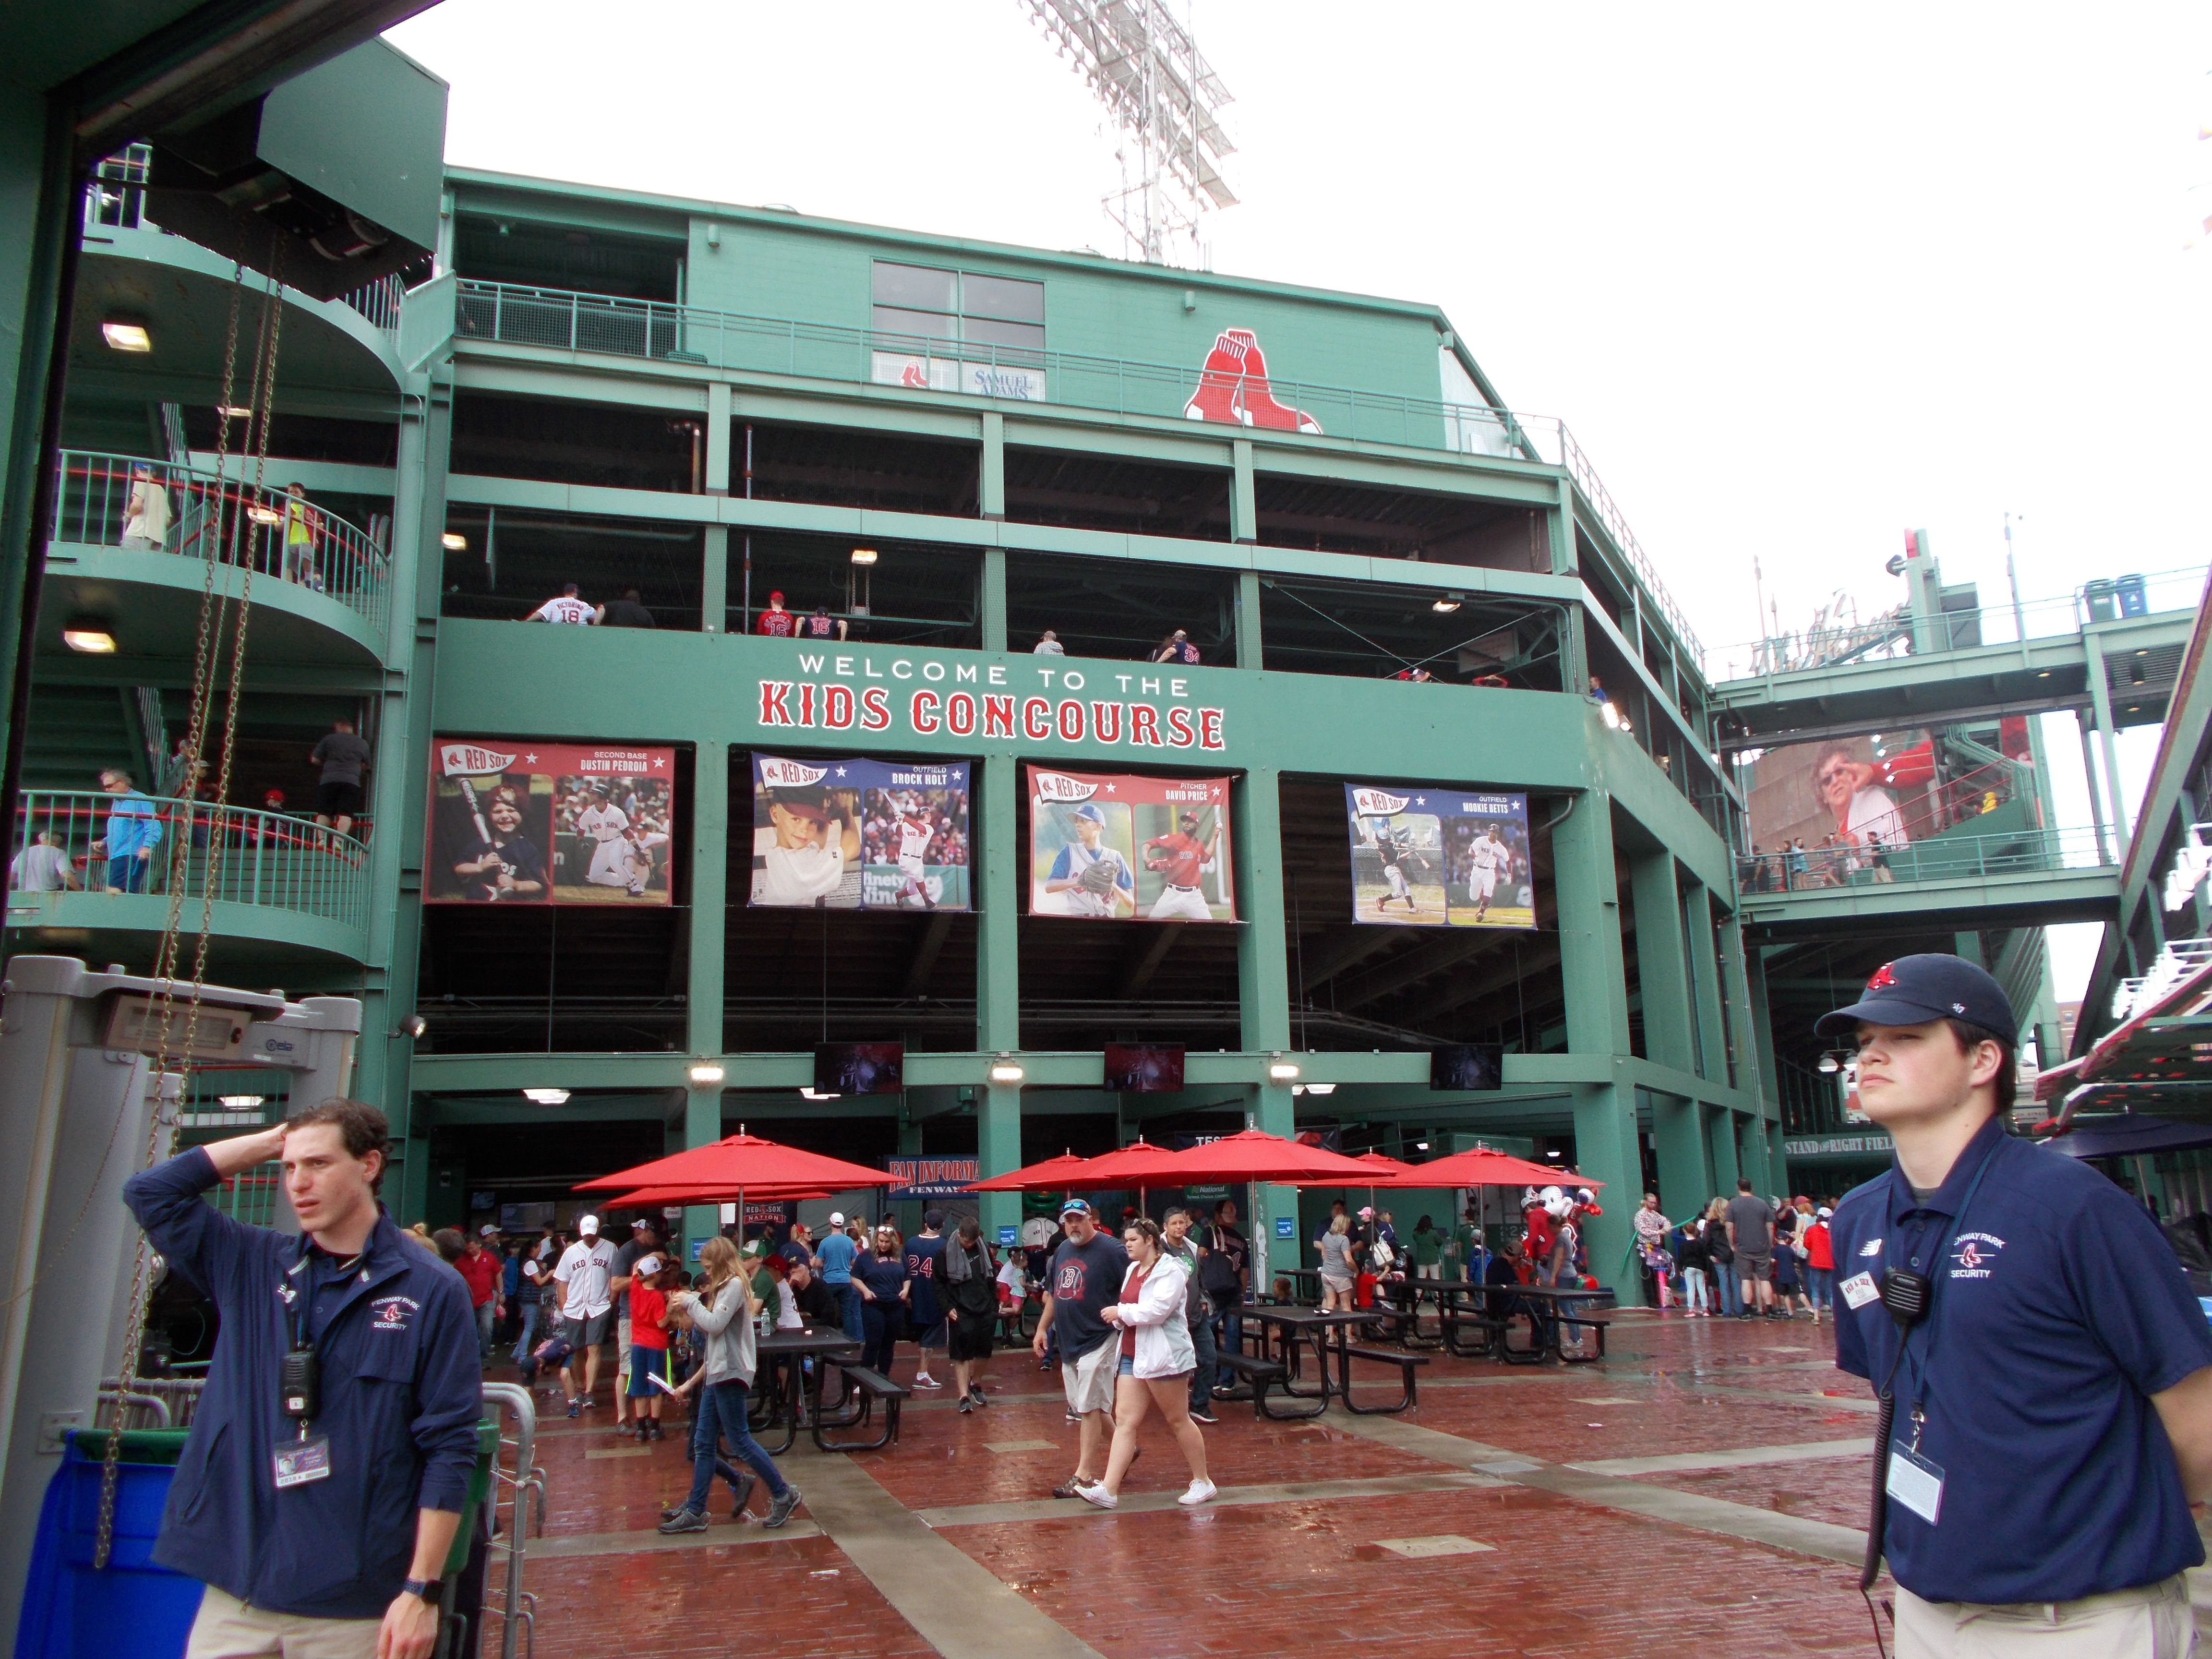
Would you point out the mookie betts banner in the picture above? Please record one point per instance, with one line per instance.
(855, 833)
(1424, 857)
(514, 821)
(1116, 847)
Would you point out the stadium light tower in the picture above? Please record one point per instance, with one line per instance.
(1144, 67)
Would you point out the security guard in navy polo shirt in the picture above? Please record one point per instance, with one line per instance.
(2050, 1372)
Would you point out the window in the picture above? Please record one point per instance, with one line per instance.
(997, 315)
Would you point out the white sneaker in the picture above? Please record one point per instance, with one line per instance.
(1097, 1493)
(1198, 1492)
(924, 1380)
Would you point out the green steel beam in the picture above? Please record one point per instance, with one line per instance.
(2011, 899)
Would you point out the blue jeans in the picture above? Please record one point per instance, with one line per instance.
(1727, 1290)
(1820, 1287)
(485, 1313)
(1231, 1338)
(128, 872)
(1201, 1379)
(529, 1330)
(722, 1416)
(880, 1325)
(848, 1309)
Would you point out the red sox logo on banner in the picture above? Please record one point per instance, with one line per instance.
(1233, 387)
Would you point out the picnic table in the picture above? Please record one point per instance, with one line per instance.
(1554, 1309)
(824, 1343)
(1294, 1328)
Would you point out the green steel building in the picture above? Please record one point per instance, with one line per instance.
(936, 451)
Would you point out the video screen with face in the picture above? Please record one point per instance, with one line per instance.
(1140, 1068)
(859, 1068)
(1468, 1066)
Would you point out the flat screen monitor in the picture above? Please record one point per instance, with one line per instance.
(1142, 1068)
(859, 1068)
(1468, 1066)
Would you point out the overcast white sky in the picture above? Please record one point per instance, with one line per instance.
(1798, 279)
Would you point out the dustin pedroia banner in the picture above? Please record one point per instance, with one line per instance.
(520, 822)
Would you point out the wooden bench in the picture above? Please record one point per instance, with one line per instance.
(1406, 1362)
(868, 1387)
(1262, 1375)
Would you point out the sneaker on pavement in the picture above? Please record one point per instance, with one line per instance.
(1204, 1414)
(975, 1394)
(779, 1510)
(924, 1380)
(1198, 1492)
(575, 1408)
(1069, 1487)
(1098, 1495)
(964, 1404)
(684, 1520)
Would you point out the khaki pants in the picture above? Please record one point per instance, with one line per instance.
(227, 1629)
(2155, 1621)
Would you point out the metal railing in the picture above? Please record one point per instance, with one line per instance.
(567, 321)
(116, 200)
(1891, 635)
(98, 499)
(268, 859)
(1779, 878)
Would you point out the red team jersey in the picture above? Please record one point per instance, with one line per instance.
(777, 623)
(1178, 857)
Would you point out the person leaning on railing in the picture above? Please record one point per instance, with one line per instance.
(133, 830)
(146, 511)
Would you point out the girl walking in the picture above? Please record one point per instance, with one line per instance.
(1156, 1361)
(724, 1309)
(1337, 1271)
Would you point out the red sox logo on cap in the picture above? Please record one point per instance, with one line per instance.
(1883, 979)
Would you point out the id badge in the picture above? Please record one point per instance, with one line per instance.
(302, 1462)
(1916, 1482)
(1859, 1290)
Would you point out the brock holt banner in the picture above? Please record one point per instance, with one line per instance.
(930, 696)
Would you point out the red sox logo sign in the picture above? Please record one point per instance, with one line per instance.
(1233, 387)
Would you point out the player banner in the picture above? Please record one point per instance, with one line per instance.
(859, 835)
(1115, 845)
(520, 822)
(1439, 858)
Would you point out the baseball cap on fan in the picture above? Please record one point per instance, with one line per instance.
(1913, 990)
(588, 1225)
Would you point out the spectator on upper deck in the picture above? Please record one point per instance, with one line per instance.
(566, 609)
(821, 625)
(1176, 647)
(628, 611)
(776, 621)
(1048, 645)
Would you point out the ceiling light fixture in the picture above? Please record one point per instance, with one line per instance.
(1280, 1070)
(91, 637)
(242, 1103)
(864, 555)
(1006, 1069)
(1320, 1088)
(816, 1094)
(123, 335)
(234, 412)
(706, 1072)
(1450, 603)
(454, 542)
(545, 1097)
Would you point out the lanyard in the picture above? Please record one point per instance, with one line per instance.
(1918, 1371)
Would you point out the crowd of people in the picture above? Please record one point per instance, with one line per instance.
(1745, 1257)
(1838, 861)
(567, 608)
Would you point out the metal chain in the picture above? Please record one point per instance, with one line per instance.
(263, 405)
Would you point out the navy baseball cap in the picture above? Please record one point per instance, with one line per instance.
(1913, 990)
(1075, 1206)
(1087, 811)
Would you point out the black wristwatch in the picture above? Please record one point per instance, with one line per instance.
(429, 1588)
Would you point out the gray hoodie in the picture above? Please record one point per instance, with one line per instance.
(730, 1352)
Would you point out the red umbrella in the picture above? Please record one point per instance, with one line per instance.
(1255, 1155)
(1383, 1167)
(742, 1162)
(653, 1198)
(1484, 1168)
(1043, 1177)
(1140, 1164)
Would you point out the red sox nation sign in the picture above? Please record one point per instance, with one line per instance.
(1041, 703)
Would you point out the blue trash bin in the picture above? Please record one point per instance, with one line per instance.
(2133, 596)
(133, 1609)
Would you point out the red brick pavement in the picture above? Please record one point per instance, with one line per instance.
(1565, 1578)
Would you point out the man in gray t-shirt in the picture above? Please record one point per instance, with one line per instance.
(1751, 1234)
(343, 756)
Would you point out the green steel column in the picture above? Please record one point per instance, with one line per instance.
(1596, 984)
(1659, 970)
(717, 481)
(2101, 702)
(1243, 500)
(991, 475)
(998, 990)
(401, 780)
(2089, 776)
(1263, 996)
(1759, 1074)
(715, 581)
(1249, 651)
(1704, 976)
(991, 606)
(703, 985)
(1720, 1139)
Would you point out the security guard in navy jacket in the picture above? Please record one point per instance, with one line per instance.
(2050, 1372)
(317, 1495)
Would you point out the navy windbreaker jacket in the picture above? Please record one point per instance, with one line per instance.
(401, 1392)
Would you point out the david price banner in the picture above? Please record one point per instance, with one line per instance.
(1120, 846)
(859, 835)
(1422, 857)
(514, 821)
